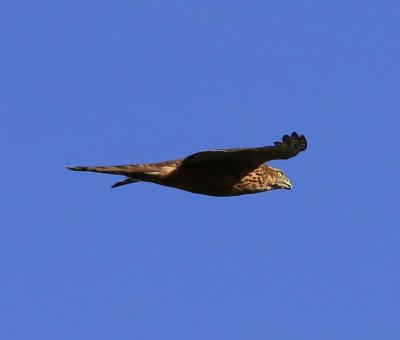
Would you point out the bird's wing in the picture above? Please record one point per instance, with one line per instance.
(289, 147)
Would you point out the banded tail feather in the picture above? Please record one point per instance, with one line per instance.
(130, 171)
(113, 170)
(117, 169)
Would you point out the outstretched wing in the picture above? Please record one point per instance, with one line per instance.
(252, 158)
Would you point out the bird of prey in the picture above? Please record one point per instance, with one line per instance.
(225, 172)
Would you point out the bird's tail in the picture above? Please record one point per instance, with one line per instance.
(127, 170)
(134, 173)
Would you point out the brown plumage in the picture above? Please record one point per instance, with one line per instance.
(226, 172)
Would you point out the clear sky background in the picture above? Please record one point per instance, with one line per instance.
(116, 82)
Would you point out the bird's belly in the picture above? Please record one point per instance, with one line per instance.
(212, 183)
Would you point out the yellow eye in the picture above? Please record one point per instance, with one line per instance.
(279, 174)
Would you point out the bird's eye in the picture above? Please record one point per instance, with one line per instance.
(279, 174)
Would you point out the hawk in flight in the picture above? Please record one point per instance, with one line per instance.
(225, 172)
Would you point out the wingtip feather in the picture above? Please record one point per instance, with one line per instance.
(294, 140)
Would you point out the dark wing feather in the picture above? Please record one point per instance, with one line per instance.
(289, 147)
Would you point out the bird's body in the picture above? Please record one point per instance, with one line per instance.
(227, 172)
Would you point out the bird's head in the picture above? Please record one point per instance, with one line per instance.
(278, 179)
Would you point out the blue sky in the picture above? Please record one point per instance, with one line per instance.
(121, 82)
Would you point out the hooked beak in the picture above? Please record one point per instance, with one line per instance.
(285, 185)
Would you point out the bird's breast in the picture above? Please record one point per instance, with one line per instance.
(214, 182)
